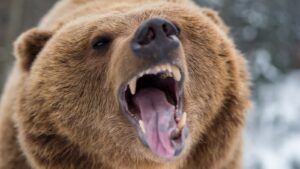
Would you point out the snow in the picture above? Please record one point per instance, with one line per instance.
(273, 129)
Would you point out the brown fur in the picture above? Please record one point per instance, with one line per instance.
(59, 108)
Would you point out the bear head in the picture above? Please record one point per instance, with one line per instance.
(145, 83)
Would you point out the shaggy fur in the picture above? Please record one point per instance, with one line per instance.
(59, 108)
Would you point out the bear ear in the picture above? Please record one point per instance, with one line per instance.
(29, 45)
(214, 16)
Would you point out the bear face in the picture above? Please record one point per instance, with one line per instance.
(145, 84)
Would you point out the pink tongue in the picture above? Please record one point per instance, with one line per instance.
(158, 117)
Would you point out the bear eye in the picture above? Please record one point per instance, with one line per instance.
(100, 42)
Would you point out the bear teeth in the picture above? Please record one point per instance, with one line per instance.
(181, 123)
(176, 73)
(132, 86)
(142, 126)
(167, 70)
(165, 75)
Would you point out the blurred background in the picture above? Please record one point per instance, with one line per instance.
(266, 31)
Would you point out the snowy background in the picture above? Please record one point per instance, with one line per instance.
(273, 130)
(266, 31)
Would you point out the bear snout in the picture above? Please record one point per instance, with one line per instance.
(155, 39)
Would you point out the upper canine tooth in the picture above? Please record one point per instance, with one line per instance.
(169, 69)
(164, 67)
(176, 73)
(132, 86)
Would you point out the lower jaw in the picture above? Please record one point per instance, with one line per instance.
(171, 161)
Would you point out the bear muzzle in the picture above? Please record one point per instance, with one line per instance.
(155, 40)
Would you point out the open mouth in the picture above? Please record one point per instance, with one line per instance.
(152, 101)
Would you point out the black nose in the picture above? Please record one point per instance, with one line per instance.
(155, 39)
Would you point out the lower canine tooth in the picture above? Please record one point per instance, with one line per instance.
(132, 86)
(182, 121)
(181, 124)
(141, 123)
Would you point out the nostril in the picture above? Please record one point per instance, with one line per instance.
(166, 29)
(169, 29)
(155, 38)
(149, 36)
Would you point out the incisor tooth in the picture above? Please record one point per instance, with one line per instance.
(176, 73)
(164, 75)
(169, 69)
(141, 123)
(161, 68)
(182, 121)
(156, 70)
(132, 86)
(148, 71)
(140, 74)
(164, 67)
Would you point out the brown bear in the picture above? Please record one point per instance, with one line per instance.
(137, 84)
